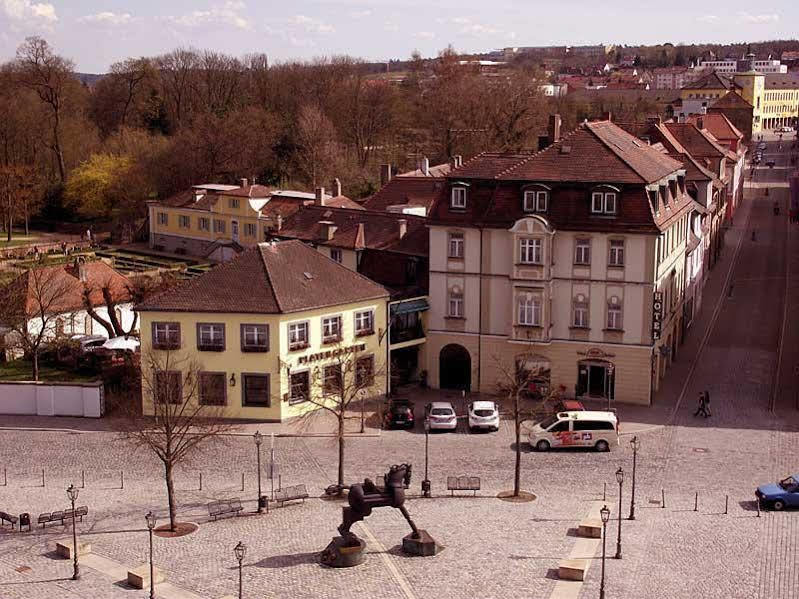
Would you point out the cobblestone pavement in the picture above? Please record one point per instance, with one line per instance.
(491, 548)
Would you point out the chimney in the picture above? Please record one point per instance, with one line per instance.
(385, 174)
(403, 227)
(320, 196)
(336, 187)
(653, 120)
(553, 131)
(459, 160)
(607, 116)
(328, 229)
(244, 181)
(425, 167)
(279, 222)
(700, 123)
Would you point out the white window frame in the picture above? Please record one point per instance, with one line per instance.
(234, 203)
(529, 311)
(331, 328)
(580, 307)
(204, 223)
(251, 337)
(336, 255)
(455, 246)
(210, 334)
(541, 201)
(615, 321)
(250, 230)
(616, 252)
(299, 334)
(162, 331)
(529, 201)
(455, 304)
(601, 202)
(182, 218)
(582, 251)
(458, 198)
(364, 322)
(219, 226)
(531, 250)
(163, 218)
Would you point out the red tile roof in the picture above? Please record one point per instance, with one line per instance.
(731, 100)
(712, 81)
(414, 191)
(698, 143)
(343, 202)
(270, 278)
(251, 191)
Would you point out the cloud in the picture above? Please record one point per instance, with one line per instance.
(708, 19)
(762, 19)
(25, 10)
(311, 25)
(107, 18)
(390, 26)
(467, 26)
(424, 35)
(226, 13)
(360, 14)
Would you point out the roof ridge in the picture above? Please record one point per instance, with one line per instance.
(541, 151)
(616, 150)
(261, 246)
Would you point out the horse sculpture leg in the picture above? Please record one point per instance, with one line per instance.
(349, 517)
(408, 518)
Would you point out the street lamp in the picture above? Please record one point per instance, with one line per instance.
(604, 513)
(258, 438)
(635, 443)
(239, 550)
(426, 481)
(150, 518)
(620, 480)
(72, 493)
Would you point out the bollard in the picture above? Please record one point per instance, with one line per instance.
(757, 501)
(696, 501)
(201, 481)
(753, 236)
(726, 503)
(604, 491)
(5, 478)
(42, 477)
(662, 498)
(121, 479)
(82, 479)
(729, 291)
(242, 481)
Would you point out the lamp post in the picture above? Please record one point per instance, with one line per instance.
(604, 513)
(239, 550)
(635, 443)
(150, 518)
(426, 481)
(72, 493)
(258, 438)
(620, 480)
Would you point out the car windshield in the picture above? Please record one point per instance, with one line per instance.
(546, 423)
(788, 483)
(484, 412)
(441, 412)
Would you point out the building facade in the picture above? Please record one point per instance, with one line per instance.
(569, 261)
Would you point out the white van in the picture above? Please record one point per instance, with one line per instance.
(594, 429)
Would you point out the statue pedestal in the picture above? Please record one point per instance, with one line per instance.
(423, 545)
(340, 555)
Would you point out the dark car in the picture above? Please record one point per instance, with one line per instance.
(399, 414)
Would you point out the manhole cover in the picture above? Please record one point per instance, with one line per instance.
(22, 569)
(701, 449)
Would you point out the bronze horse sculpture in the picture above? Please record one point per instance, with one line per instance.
(363, 498)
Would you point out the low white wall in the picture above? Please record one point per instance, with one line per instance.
(52, 399)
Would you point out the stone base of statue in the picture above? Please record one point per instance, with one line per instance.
(338, 554)
(423, 545)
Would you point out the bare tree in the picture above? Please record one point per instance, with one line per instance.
(49, 75)
(31, 307)
(336, 386)
(315, 135)
(185, 413)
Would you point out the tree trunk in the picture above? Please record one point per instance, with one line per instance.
(36, 364)
(341, 450)
(170, 494)
(57, 149)
(518, 469)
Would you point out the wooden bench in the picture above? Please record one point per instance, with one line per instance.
(12, 520)
(590, 528)
(46, 517)
(463, 483)
(224, 508)
(290, 494)
(572, 569)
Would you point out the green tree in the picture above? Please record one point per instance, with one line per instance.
(94, 186)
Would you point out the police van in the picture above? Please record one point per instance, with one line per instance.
(597, 429)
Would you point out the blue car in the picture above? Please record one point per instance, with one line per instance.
(780, 495)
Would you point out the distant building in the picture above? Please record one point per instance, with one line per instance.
(731, 66)
(554, 90)
(675, 77)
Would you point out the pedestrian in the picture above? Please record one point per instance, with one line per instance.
(702, 409)
(707, 404)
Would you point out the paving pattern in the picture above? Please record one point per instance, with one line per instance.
(491, 548)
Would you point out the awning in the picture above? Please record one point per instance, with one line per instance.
(408, 306)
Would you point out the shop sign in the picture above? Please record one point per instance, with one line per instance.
(657, 315)
(331, 353)
(596, 353)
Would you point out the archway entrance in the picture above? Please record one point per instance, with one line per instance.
(455, 367)
(595, 378)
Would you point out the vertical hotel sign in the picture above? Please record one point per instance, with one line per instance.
(657, 315)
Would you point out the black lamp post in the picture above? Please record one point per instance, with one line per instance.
(72, 493)
(604, 513)
(620, 480)
(239, 550)
(150, 518)
(258, 438)
(426, 481)
(635, 443)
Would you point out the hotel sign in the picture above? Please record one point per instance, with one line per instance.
(657, 315)
(331, 353)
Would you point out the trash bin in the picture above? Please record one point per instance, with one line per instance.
(24, 520)
(263, 502)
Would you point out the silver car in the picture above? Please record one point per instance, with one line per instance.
(441, 416)
(483, 415)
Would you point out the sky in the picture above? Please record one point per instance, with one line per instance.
(96, 33)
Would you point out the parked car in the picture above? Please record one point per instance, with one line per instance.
(90, 343)
(441, 416)
(569, 405)
(483, 415)
(786, 129)
(585, 428)
(780, 495)
(399, 414)
(770, 163)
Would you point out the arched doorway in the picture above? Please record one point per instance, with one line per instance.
(454, 367)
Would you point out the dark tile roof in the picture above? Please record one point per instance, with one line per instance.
(416, 191)
(251, 191)
(188, 198)
(781, 81)
(269, 278)
(731, 100)
(343, 202)
(718, 125)
(712, 81)
(698, 143)
(357, 229)
(488, 165)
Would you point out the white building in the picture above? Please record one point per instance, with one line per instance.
(731, 66)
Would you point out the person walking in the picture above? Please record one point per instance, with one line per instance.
(702, 409)
(707, 403)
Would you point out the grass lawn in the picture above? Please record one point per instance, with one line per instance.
(22, 370)
(18, 238)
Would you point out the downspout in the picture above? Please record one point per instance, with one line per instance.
(480, 318)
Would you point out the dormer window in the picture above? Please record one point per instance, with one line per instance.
(458, 199)
(535, 201)
(604, 202)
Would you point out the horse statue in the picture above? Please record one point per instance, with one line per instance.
(346, 550)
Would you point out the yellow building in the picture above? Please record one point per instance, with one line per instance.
(780, 100)
(270, 330)
(710, 87)
(216, 221)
